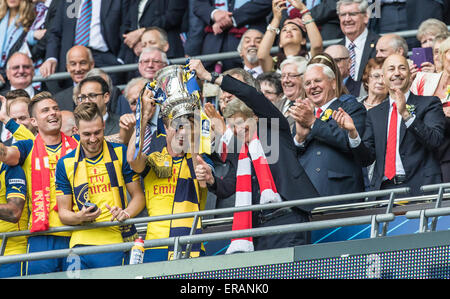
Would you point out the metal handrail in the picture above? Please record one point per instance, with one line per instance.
(208, 57)
(208, 236)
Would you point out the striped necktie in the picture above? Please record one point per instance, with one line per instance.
(82, 30)
(147, 139)
(351, 49)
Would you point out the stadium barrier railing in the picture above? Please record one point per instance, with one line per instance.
(375, 220)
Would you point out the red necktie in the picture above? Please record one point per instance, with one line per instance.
(318, 113)
(391, 146)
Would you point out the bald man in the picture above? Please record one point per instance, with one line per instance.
(415, 125)
(79, 61)
(341, 56)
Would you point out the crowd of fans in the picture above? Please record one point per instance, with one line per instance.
(367, 112)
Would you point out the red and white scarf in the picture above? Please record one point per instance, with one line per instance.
(251, 153)
(40, 181)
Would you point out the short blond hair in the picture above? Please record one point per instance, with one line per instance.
(443, 48)
(431, 26)
(86, 111)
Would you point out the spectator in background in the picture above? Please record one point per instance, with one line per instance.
(326, 18)
(428, 30)
(151, 37)
(151, 61)
(373, 83)
(13, 215)
(95, 89)
(118, 104)
(20, 73)
(226, 21)
(354, 17)
(323, 148)
(270, 86)
(404, 15)
(16, 18)
(127, 123)
(79, 61)
(68, 126)
(92, 158)
(155, 37)
(165, 14)
(391, 44)
(70, 28)
(132, 91)
(292, 69)
(291, 41)
(435, 84)
(436, 45)
(341, 57)
(248, 50)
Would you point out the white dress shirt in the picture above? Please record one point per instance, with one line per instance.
(359, 42)
(96, 40)
(399, 169)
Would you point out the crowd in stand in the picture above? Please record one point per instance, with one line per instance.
(368, 112)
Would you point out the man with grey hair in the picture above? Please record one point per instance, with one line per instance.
(354, 17)
(292, 69)
(391, 44)
(323, 149)
(248, 49)
(341, 57)
(151, 61)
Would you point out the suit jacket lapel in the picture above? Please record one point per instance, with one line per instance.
(409, 101)
(104, 9)
(383, 116)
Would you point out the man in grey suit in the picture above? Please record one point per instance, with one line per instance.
(95, 89)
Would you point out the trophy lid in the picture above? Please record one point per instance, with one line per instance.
(171, 80)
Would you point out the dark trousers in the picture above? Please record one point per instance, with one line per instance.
(283, 240)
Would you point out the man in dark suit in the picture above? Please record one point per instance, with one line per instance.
(227, 23)
(323, 147)
(288, 175)
(103, 36)
(402, 134)
(79, 62)
(96, 90)
(165, 14)
(341, 56)
(354, 17)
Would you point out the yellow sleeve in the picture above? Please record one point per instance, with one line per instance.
(22, 133)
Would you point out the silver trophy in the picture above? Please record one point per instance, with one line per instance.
(178, 102)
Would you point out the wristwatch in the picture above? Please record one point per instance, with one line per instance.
(273, 29)
(214, 76)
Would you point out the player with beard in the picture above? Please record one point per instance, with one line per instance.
(248, 50)
(38, 159)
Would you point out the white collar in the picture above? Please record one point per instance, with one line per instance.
(359, 41)
(391, 100)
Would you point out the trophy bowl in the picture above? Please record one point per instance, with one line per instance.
(178, 100)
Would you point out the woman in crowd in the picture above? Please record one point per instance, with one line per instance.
(291, 42)
(16, 17)
(373, 83)
(428, 30)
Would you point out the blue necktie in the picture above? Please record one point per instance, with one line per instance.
(82, 30)
(351, 48)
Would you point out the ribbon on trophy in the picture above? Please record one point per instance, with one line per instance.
(193, 89)
(160, 97)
